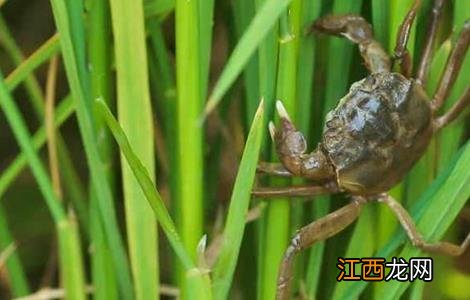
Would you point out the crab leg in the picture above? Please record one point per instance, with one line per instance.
(401, 53)
(427, 52)
(291, 191)
(415, 237)
(454, 112)
(357, 30)
(319, 230)
(276, 169)
(454, 62)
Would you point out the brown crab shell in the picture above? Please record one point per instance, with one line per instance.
(377, 132)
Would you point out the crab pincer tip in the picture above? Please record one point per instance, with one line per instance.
(272, 130)
(281, 110)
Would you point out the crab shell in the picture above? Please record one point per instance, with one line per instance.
(377, 132)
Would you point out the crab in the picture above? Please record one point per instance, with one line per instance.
(371, 139)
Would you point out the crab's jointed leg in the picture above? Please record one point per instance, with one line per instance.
(422, 73)
(276, 169)
(401, 53)
(454, 111)
(416, 239)
(291, 191)
(357, 30)
(319, 230)
(454, 63)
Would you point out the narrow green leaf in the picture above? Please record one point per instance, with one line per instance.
(198, 277)
(73, 271)
(24, 72)
(263, 21)
(147, 186)
(24, 140)
(31, 84)
(70, 260)
(50, 48)
(81, 94)
(15, 271)
(243, 11)
(158, 7)
(135, 117)
(63, 112)
(189, 152)
(99, 49)
(239, 203)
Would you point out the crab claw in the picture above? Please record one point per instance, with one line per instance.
(281, 110)
(272, 130)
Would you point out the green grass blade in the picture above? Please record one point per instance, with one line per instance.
(243, 12)
(235, 224)
(72, 278)
(162, 79)
(15, 271)
(99, 48)
(195, 276)
(10, 173)
(31, 84)
(206, 15)
(158, 8)
(267, 71)
(24, 71)
(433, 213)
(102, 271)
(81, 94)
(190, 132)
(71, 271)
(135, 116)
(20, 131)
(263, 21)
(381, 21)
(50, 48)
(147, 186)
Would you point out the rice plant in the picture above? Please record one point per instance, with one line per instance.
(131, 132)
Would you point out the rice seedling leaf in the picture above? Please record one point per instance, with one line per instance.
(146, 184)
(81, 93)
(135, 117)
(63, 112)
(70, 268)
(14, 268)
(50, 48)
(239, 203)
(259, 27)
